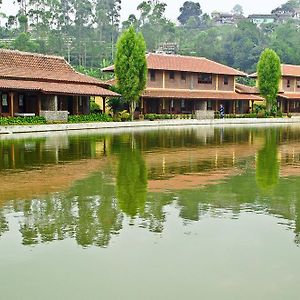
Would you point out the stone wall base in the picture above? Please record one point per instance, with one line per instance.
(55, 116)
(205, 114)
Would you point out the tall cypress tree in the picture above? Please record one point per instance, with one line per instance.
(131, 67)
(269, 74)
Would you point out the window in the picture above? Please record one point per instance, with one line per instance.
(172, 104)
(182, 103)
(21, 100)
(205, 78)
(288, 84)
(209, 105)
(298, 83)
(152, 75)
(4, 103)
(183, 76)
(172, 75)
(226, 80)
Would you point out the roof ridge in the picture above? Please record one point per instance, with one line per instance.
(31, 54)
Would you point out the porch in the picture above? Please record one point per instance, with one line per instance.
(14, 103)
(190, 106)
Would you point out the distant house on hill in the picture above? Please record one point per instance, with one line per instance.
(34, 84)
(262, 19)
(183, 85)
(220, 18)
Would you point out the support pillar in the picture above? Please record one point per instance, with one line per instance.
(55, 103)
(104, 104)
(11, 104)
(38, 105)
(288, 106)
(234, 107)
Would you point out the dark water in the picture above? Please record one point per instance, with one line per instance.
(198, 213)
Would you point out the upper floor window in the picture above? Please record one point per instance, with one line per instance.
(288, 83)
(226, 80)
(172, 75)
(152, 75)
(183, 76)
(205, 78)
(4, 100)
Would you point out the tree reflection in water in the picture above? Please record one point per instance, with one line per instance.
(93, 209)
(267, 164)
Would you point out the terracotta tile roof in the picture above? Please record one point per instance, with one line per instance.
(290, 96)
(286, 70)
(185, 64)
(192, 94)
(290, 70)
(46, 74)
(16, 64)
(245, 89)
(55, 87)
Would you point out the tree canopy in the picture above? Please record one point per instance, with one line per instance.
(269, 74)
(131, 66)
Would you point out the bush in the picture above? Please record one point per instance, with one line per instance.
(94, 108)
(90, 118)
(22, 121)
(262, 114)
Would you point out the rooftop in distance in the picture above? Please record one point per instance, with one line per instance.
(182, 63)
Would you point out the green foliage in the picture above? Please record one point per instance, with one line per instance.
(269, 74)
(267, 164)
(131, 67)
(22, 121)
(121, 116)
(94, 108)
(89, 118)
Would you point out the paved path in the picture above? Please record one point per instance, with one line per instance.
(142, 124)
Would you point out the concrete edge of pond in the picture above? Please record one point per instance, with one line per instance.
(17, 129)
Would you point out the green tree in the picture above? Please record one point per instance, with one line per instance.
(269, 74)
(189, 10)
(131, 67)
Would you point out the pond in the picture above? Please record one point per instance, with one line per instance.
(174, 213)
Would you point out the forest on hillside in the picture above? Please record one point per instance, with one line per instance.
(85, 32)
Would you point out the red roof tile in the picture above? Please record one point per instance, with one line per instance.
(192, 94)
(290, 96)
(286, 70)
(186, 64)
(290, 70)
(16, 64)
(46, 74)
(245, 89)
(55, 88)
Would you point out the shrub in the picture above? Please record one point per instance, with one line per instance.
(94, 108)
(261, 114)
(90, 118)
(22, 121)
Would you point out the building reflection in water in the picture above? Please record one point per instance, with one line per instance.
(85, 187)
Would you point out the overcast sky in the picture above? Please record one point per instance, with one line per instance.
(129, 6)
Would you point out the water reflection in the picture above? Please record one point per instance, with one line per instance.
(85, 187)
(267, 165)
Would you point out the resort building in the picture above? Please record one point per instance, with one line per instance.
(289, 89)
(182, 85)
(35, 85)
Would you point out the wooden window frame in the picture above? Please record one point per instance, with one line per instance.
(205, 78)
(152, 75)
(226, 80)
(172, 75)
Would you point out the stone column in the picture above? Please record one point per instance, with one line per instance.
(11, 96)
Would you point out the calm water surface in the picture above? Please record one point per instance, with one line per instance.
(198, 213)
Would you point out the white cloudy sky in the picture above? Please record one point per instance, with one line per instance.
(129, 6)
